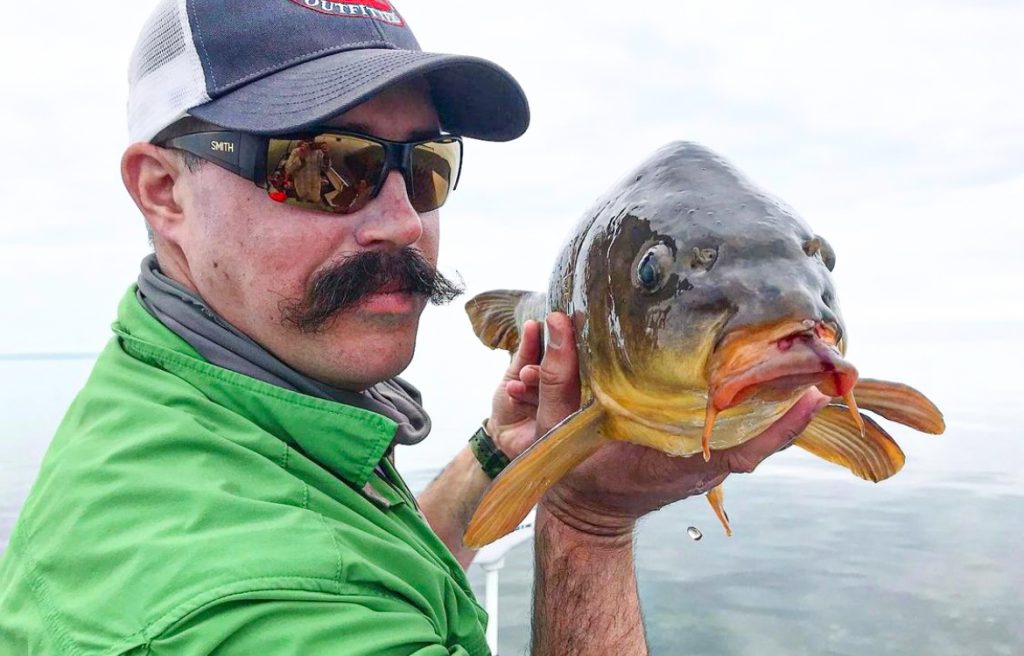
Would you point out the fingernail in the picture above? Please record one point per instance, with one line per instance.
(554, 336)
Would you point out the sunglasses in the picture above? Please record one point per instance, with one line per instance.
(331, 170)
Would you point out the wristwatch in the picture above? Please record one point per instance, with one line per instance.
(487, 453)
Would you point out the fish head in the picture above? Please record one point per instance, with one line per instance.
(711, 287)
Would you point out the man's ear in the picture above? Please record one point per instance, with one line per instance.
(151, 175)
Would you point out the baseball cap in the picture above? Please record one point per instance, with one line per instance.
(276, 66)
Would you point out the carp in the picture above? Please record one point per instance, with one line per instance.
(703, 309)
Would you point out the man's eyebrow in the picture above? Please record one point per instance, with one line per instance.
(415, 135)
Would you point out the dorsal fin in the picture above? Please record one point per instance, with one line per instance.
(493, 315)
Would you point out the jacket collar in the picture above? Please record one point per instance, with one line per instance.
(348, 441)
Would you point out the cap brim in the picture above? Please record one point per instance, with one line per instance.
(473, 97)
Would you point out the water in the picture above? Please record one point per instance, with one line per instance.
(823, 567)
(823, 563)
(820, 562)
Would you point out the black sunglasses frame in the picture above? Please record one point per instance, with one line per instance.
(245, 154)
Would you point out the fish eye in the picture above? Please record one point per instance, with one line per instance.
(648, 273)
(653, 268)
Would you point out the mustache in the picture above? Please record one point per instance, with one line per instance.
(345, 284)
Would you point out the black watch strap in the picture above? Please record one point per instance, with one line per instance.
(487, 453)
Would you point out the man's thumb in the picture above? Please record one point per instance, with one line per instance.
(559, 374)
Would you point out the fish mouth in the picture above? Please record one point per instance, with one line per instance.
(772, 363)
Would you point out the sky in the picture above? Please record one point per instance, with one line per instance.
(895, 129)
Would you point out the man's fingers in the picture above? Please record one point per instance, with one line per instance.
(559, 374)
(521, 393)
(747, 456)
(528, 352)
(530, 375)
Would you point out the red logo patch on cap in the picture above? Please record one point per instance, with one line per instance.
(378, 10)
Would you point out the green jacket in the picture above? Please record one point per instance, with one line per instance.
(186, 509)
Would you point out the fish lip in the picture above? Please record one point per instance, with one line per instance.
(832, 324)
(821, 332)
(795, 355)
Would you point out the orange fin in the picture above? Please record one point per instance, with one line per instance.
(496, 317)
(834, 436)
(518, 489)
(900, 403)
(716, 498)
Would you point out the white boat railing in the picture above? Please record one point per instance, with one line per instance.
(491, 560)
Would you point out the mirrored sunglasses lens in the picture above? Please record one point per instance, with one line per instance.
(434, 165)
(328, 172)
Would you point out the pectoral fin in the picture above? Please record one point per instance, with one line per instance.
(900, 403)
(716, 498)
(518, 489)
(493, 315)
(836, 437)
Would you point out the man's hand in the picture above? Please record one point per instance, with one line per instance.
(449, 501)
(585, 594)
(606, 494)
(513, 421)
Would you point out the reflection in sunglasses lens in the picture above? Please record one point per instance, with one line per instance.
(339, 173)
(434, 167)
(357, 168)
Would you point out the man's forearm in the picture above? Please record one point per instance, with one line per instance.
(585, 594)
(449, 501)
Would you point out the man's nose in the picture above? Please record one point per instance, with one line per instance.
(389, 219)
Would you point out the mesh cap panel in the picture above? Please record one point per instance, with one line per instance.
(163, 40)
(165, 76)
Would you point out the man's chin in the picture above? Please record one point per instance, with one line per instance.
(360, 348)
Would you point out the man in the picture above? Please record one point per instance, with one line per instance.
(222, 483)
